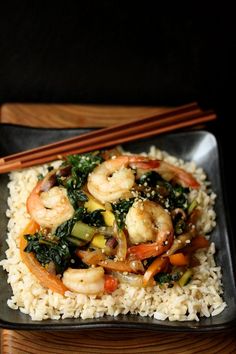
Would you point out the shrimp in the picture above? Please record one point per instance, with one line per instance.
(148, 221)
(85, 281)
(111, 180)
(168, 172)
(49, 209)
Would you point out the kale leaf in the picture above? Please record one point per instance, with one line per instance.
(64, 229)
(120, 209)
(82, 165)
(75, 196)
(169, 195)
(178, 197)
(163, 278)
(46, 250)
(94, 218)
(150, 178)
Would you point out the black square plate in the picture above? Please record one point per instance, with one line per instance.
(200, 146)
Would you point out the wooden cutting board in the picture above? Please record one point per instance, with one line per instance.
(106, 340)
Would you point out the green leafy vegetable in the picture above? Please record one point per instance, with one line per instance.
(75, 196)
(178, 197)
(46, 250)
(150, 178)
(120, 209)
(64, 229)
(155, 188)
(163, 278)
(94, 218)
(82, 165)
(40, 177)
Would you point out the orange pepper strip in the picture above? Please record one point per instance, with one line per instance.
(91, 257)
(156, 267)
(179, 259)
(147, 250)
(196, 243)
(200, 242)
(46, 279)
(119, 266)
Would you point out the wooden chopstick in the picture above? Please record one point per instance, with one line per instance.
(186, 109)
(195, 119)
(110, 136)
(88, 146)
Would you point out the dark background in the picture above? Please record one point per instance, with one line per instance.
(104, 52)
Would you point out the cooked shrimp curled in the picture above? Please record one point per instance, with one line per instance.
(49, 209)
(111, 180)
(149, 221)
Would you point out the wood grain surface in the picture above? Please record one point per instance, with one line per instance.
(73, 116)
(115, 341)
(107, 340)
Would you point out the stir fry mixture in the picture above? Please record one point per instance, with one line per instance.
(104, 218)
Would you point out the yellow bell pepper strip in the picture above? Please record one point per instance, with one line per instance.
(92, 204)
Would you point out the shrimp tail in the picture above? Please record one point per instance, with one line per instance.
(169, 172)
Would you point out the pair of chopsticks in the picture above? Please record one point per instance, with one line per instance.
(182, 117)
